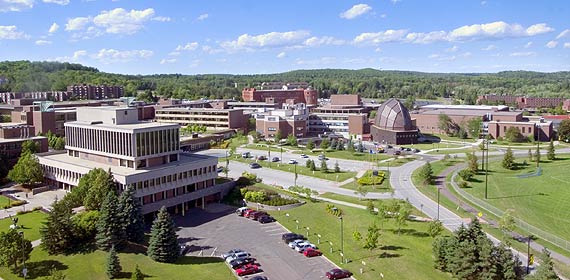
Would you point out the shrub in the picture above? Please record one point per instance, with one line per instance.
(255, 196)
(466, 174)
(331, 209)
(368, 180)
(463, 184)
(18, 203)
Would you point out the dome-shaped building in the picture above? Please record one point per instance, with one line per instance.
(393, 124)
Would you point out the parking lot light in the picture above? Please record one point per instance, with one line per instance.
(330, 243)
(297, 221)
(318, 239)
(307, 232)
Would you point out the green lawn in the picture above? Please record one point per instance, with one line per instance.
(238, 141)
(30, 223)
(264, 147)
(302, 170)
(405, 256)
(383, 187)
(344, 154)
(346, 198)
(456, 151)
(92, 266)
(397, 162)
(541, 201)
(5, 201)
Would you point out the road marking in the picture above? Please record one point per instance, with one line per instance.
(275, 229)
(213, 252)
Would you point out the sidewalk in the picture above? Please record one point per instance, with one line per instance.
(44, 200)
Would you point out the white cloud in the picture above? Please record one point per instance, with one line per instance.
(378, 50)
(43, 42)
(381, 37)
(552, 44)
(195, 63)
(567, 45)
(452, 49)
(267, 40)
(523, 54)
(75, 57)
(496, 30)
(15, 5)
(432, 56)
(76, 24)
(10, 32)
(59, 2)
(162, 19)
(563, 34)
(489, 48)
(112, 55)
(174, 53)
(78, 54)
(319, 41)
(356, 11)
(168, 61)
(121, 21)
(202, 17)
(281, 55)
(53, 28)
(188, 47)
(395, 1)
(426, 38)
(528, 45)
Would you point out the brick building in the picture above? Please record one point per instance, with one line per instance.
(393, 124)
(12, 135)
(292, 119)
(211, 118)
(522, 102)
(343, 115)
(308, 96)
(95, 92)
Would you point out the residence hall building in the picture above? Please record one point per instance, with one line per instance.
(393, 124)
(292, 119)
(95, 91)
(12, 135)
(308, 96)
(344, 115)
(522, 102)
(211, 118)
(145, 155)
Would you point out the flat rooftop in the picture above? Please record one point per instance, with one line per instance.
(63, 161)
(464, 112)
(465, 107)
(127, 127)
(15, 140)
(180, 109)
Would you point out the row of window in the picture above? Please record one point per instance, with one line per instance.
(159, 141)
(112, 142)
(156, 197)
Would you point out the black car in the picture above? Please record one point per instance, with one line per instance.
(241, 261)
(266, 219)
(275, 159)
(258, 277)
(288, 237)
(254, 165)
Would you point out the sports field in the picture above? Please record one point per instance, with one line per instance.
(541, 201)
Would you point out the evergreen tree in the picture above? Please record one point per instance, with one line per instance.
(506, 264)
(324, 167)
(336, 167)
(550, 155)
(546, 269)
(473, 166)
(56, 230)
(278, 136)
(110, 226)
(137, 275)
(325, 144)
(27, 170)
(310, 144)
(308, 163)
(426, 174)
(163, 244)
(113, 264)
(130, 208)
(508, 160)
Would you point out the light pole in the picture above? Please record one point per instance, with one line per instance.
(538, 153)
(307, 228)
(227, 164)
(438, 203)
(281, 159)
(341, 240)
(24, 269)
(528, 254)
(486, 167)
(295, 174)
(297, 222)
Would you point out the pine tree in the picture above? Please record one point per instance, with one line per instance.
(546, 269)
(56, 230)
(310, 145)
(550, 155)
(110, 226)
(426, 174)
(336, 167)
(130, 208)
(163, 244)
(113, 264)
(325, 144)
(324, 167)
(508, 160)
(137, 275)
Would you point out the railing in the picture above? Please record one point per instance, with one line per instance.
(559, 242)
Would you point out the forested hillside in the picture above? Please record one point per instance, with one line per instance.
(39, 76)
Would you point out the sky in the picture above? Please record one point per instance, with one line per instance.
(260, 36)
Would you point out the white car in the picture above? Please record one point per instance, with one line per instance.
(237, 256)
(303, 246)
(231, 252)
(294, 243)
(292, 161)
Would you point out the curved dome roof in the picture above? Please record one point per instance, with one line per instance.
(393, 115)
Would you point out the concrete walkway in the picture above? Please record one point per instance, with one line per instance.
(44, 199)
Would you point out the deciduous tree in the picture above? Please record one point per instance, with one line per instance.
(27, 170)
(14, 248)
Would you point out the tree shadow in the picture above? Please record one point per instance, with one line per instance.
(183, 260)
(411, 232)
(194, 248)
(392, 248)
(520, 195)
(475, 180)
(43, 268)
(386, 255)
(134, 248)
(188, 239)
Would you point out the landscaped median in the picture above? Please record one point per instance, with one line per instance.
(370, 182)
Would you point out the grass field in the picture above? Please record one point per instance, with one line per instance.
(541, 201)
(30, 223)
(5, 201)
(302, 170)
(344, 154)
(91, 266)
(346, 198)
(396, 162)
(405, 256)
(383, 187)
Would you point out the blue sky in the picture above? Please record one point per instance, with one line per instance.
(247, 36)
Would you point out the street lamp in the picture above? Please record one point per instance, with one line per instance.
(438, 189)
(528, 255)
(487, 168)
(341, 240)
(24, 269)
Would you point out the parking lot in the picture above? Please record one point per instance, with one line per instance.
(218, 229)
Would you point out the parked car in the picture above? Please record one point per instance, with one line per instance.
(275, 159)
(254, 165)
(292, 161)
(237, 263)
(417, 150)
(240, 211)
(322, 157)
(408, 149)
(257, 215)
(184, 249)
(338, 273)
(248, 269)
(258, 277)
(397, 153)
(304, 156)
(248, 213)
(237, 256)
(266, 219)
(245, 155)
(295, 242)
(261, 157)
(220, 169)
(231, 252)
(310, 252)
(301, 247)
(288, 237)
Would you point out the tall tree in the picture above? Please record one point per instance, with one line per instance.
(92, 189)
(324, 167)
(310, 144)
(278, 136)
(537, 155)
(551, 155)
(30, 147)
(57, 228)
(564, 131)
(474, 127)
(446, 124)
(325, 144)
(27, 170)
(133, 220)
(292, 140)
(426, 174)
(110, 226)
(163, 244)
(508, 160)
(14, 248)
(546, 269)
(113, 264)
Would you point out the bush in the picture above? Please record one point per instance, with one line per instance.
(279, 201)
(18, 203)
(331, 209)
(466, 174)
(368, 180)
(463, 184)
(255, 196)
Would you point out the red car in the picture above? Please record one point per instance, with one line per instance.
(248, 213)
(248, 269)
(310, 252)
(338, 273)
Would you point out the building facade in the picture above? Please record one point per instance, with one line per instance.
(95, 92)
(217, 119)
(393, 124)
(12, 135)
(521, 102)
(342, 115)
(145, 155)
(307, 96)
(292, 119)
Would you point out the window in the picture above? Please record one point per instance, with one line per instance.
(272, 129)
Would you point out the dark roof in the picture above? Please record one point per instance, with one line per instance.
(393, 115)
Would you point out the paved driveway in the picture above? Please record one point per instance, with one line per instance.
(217, 229)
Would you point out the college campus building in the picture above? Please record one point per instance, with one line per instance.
(95, 92)
(523, 102)
(211, 118)
(145, 155)
(292, 119)
(343, 115)
(393, 124)
(12, 135)
(299, 95)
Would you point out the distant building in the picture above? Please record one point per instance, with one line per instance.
(145, 155)
(95, 92)
(344, 116)
(292, 119)
(308, 96)
(12, 135)
(393, 124)
(216, 119)
(522, 102)
(284, 86)
(29, 97)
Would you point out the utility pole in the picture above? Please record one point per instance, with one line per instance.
(437, 203)
(528, 255)
(537, 153)
(341, 239)
(486, 168)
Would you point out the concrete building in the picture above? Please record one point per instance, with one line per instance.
(12, 135)
(344, 115)
(95, 92)
(292, 119)
(308, 96)
(393, 124)
(216, 119)
(145, 155)
(9, 97)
